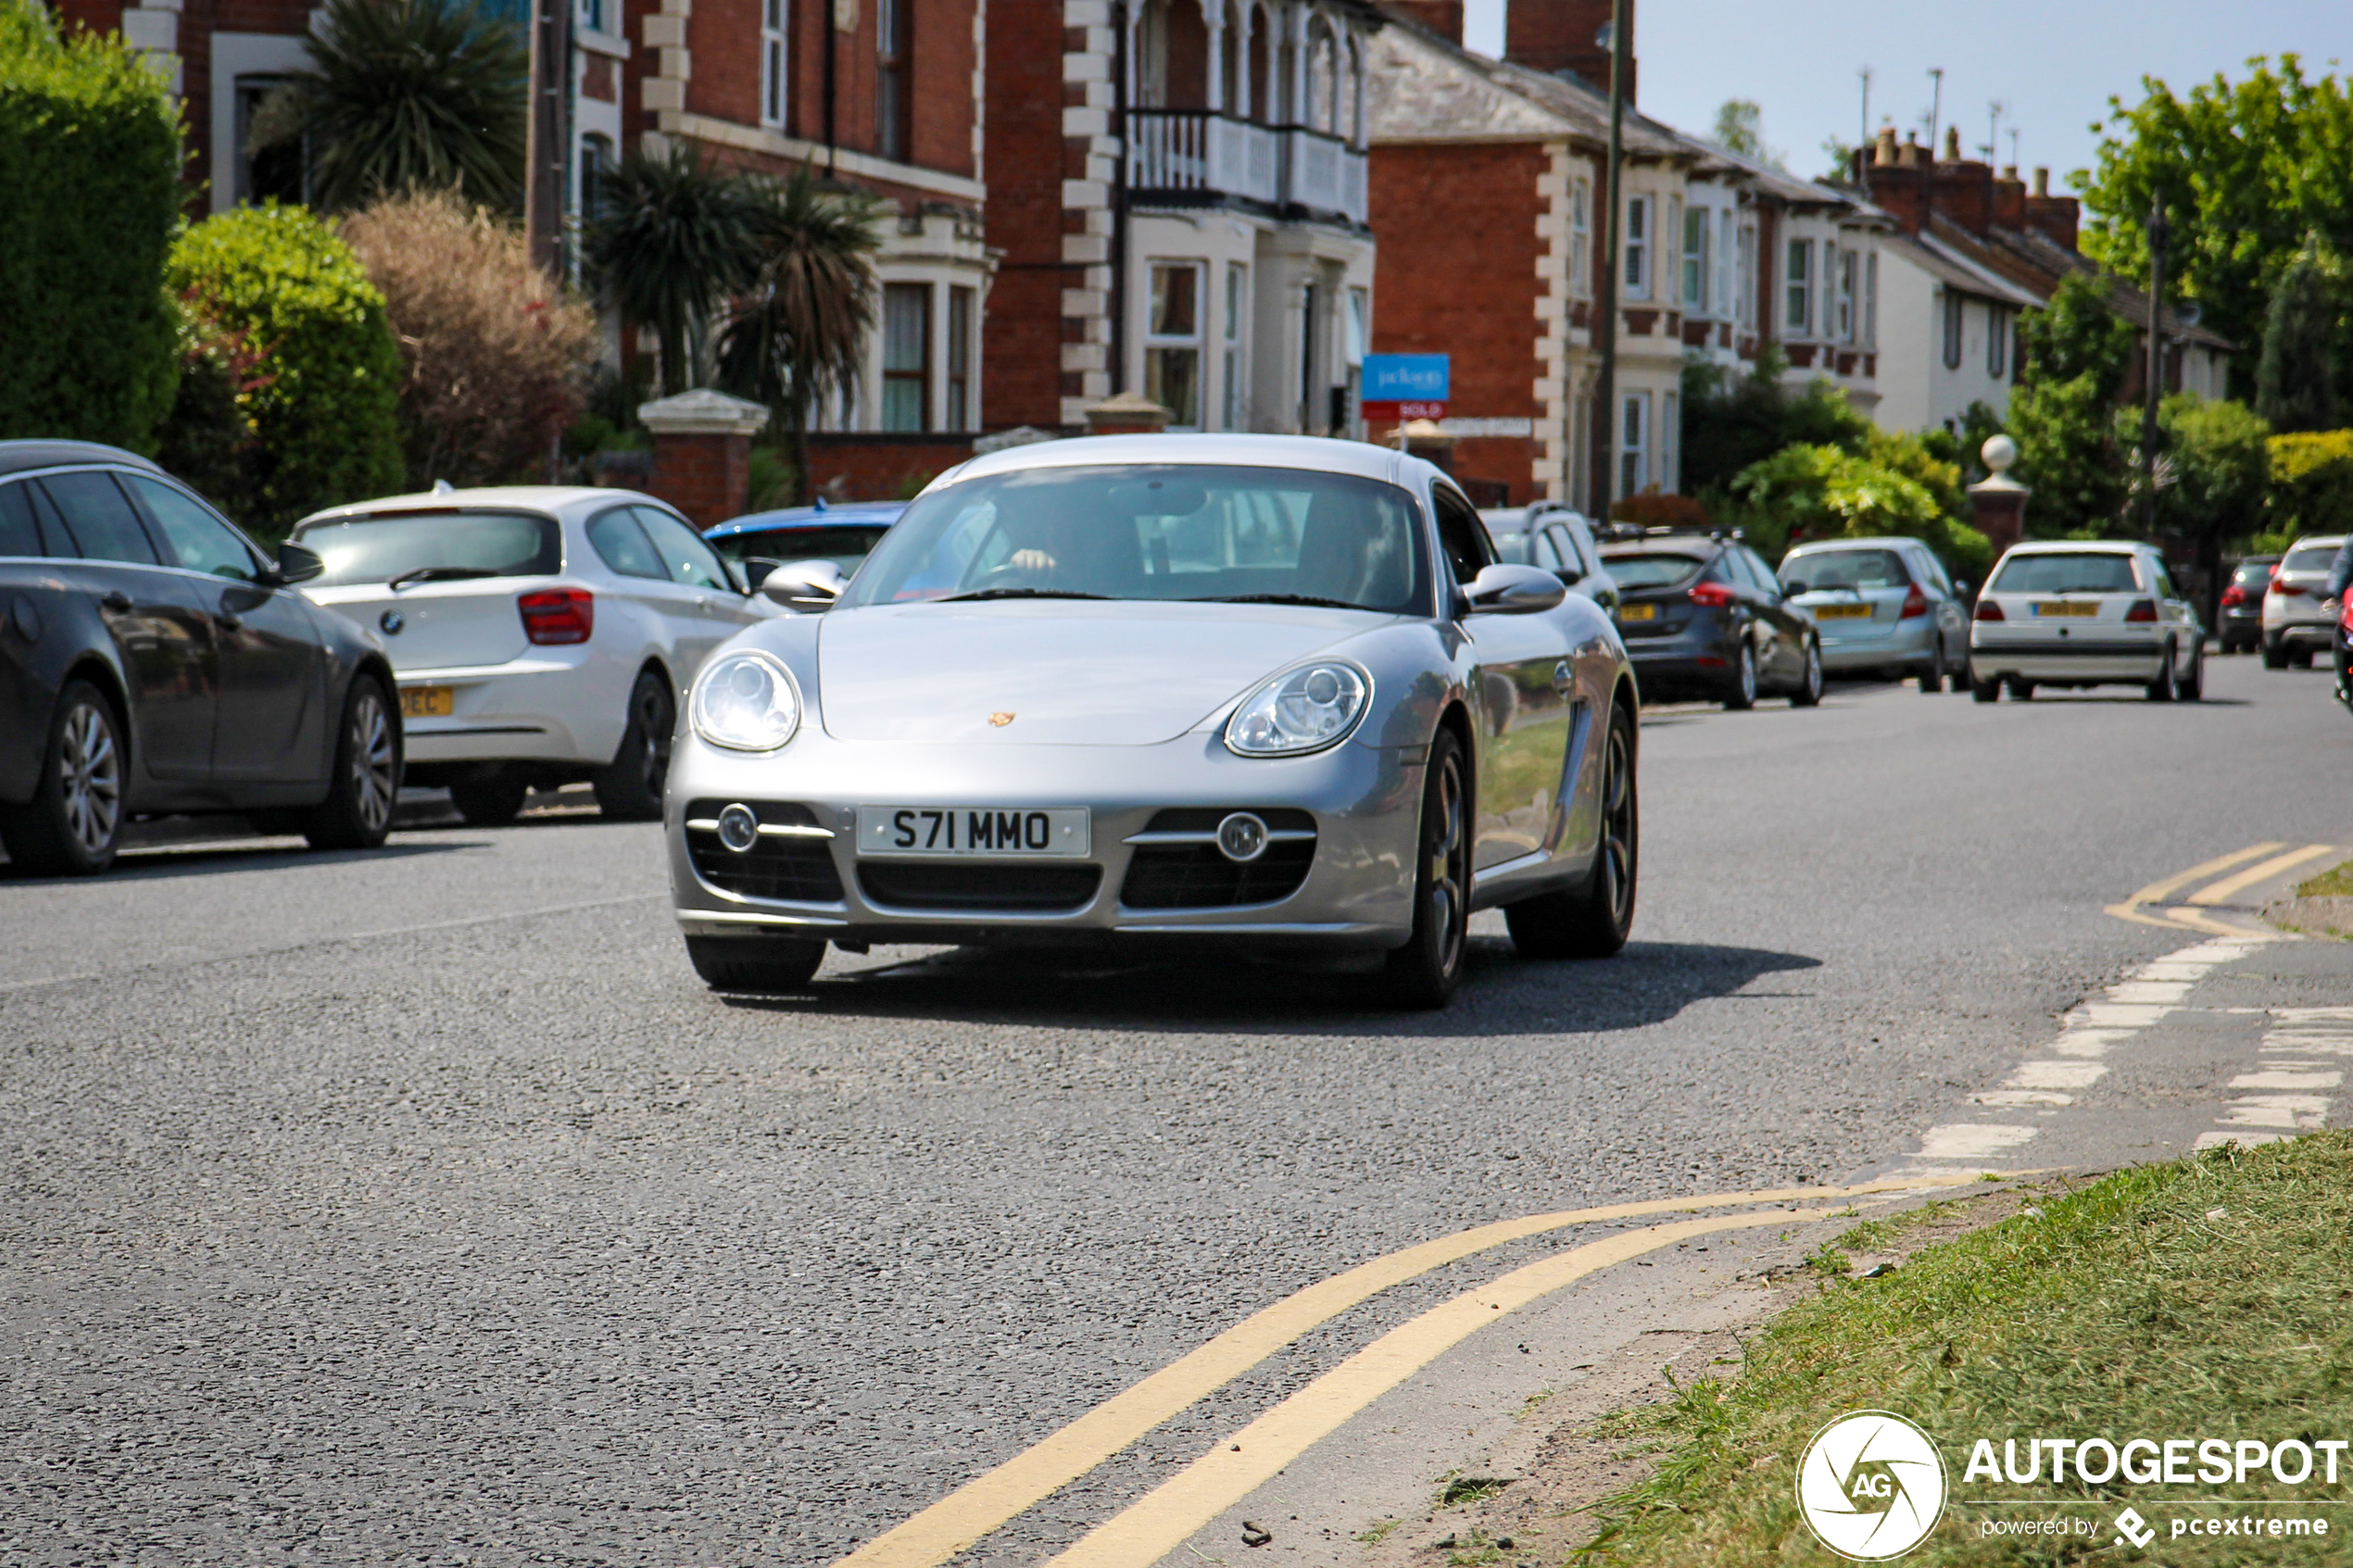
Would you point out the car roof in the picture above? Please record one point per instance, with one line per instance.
(1886, 541)
(787, 518)
(549, 498)
(1322, 454)
(16, 456)
(2077, 547)
(2319, 541)
(1668, 541)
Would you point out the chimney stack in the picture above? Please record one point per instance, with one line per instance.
(1884, 154)
(2057, 216)
(2042, 180)
(1443, 17)
(1952, 143)
(1564, 35)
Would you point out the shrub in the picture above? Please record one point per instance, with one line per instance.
(496, 353)
(1808, 491)
(1732, 420)
(89, 181)
(2311, 483)
(327, 374)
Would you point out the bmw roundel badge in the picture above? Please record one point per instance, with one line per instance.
(392, 620)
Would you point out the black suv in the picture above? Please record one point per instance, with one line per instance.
(153, 661)
(1704, 617)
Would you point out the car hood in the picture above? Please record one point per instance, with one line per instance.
(1055, 672)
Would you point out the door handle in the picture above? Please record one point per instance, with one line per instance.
(117, 601)
(1563, 677)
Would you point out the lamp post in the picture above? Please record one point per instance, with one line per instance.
(2155, 368)
(1605, 378)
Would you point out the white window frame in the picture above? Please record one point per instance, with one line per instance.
(1634, 272)
(1580, 238)
(1633, 444)
(1199, 267)
(1870, 300)
(1745, 287)
(1956, 327)
(1846, 308)
(775, 61)
(1996, 342)
(1233, 361)
(1798, 292)
(1696, 226)
(1725, 247)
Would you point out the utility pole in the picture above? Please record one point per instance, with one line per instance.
(1863, 131)
(1994, 128)
(1605, 382)
(544, 136)
(2155, 368)
(2014, 163)
(1935, 112)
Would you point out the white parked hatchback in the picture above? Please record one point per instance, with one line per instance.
(2084, 613)
(540, 635)
(2300, 619)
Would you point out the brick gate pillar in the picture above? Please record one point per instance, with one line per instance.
(702, 452)
(1997, 500)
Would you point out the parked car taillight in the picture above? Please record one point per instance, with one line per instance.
(1715, 595)
(1915, 604)
(2143, 609)
(557, 615)
(2234, 596)
(1988, 610)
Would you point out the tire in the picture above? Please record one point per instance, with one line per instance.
(1933, 678)
(2274, 656)
(629, 789)
(73, 826)
(2162, 688)
(491, 798)
(1809, 684)
(1595, 923)
(2021, 691)
(1426, 972)
(2300, 658)
(1985, 691)
(365, 784)
(761, 964)
(1743, 694)
(2193, 685)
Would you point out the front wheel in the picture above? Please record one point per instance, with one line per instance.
(1742, 696)
(73, 823)
(1427, 970)
(758, 964)
(629, 789)
(1592, 923)
(1809, 685)
(356, 813)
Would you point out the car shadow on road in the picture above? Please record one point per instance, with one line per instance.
(1503, 994)
(158, 864)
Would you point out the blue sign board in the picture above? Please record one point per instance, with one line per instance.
(1404, 378)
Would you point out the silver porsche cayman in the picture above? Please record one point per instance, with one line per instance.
(1262, 690)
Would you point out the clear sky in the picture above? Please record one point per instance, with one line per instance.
(2054, 63)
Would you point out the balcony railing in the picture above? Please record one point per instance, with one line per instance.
(1193, 157)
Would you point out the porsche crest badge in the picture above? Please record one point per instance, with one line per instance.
(1000, 720)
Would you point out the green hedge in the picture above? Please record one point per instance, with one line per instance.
(90, 183)
(2312, 482)
(278, 284)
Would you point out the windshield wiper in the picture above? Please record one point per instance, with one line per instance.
(1274, 600)
(439, 574)
(1019, 594)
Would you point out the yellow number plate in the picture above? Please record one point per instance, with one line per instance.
(428, 702)
(1638, 612)
(1842, 612)
(2045, 608)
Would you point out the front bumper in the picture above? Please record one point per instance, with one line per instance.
(1357, 891)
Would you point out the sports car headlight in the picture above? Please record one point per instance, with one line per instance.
(1302, 710)
(745, 702)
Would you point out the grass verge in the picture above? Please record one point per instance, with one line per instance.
(2336, 883)
(2205, 1298)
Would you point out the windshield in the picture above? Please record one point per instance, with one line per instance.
(2253, 571)
(1191, 531)
(455, 543)
(2085, 573)
(1647, 569)
(2310, 557)
(1847, 569)
(844, 546)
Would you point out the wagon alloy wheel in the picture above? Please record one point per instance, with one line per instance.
(1425, 970)
(1744, 692)
(1593, 922)
(74, 821)
(629, 789)
(356, 813)
(1809, 685)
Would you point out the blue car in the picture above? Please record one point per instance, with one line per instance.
(843, 535)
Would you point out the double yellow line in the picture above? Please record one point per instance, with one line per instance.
(2145, 907)
(1160, 1521)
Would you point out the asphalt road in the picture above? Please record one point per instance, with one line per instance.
(421, 1206)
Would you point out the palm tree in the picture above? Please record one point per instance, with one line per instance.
(798, 334)
(406, 94)
(675, 238)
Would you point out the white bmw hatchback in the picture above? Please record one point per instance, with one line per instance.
(540, 635)
(2084, 613)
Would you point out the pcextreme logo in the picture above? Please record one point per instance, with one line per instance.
(1870, 1485)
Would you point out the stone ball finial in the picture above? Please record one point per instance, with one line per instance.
(1999, 453)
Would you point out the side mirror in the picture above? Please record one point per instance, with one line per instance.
(756, 569)
(1960, 587)
(1506, 589)
(804, 586)
(296, 563)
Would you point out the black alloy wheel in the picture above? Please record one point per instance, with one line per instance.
(365, 784)
(1427, 970)
(1743, 694)
(1809, 685)
(1595, 922)
(73, 823)
(629, 789)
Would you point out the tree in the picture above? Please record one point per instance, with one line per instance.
(404, 95)
(2062, 413)
(2293, 386)
(495, 351)
(1740, 127)
(2077, 334)
(1732, 420)
(2248, 170)
(799, 331)
(90, 179)
(2213, 469)
(674, 239)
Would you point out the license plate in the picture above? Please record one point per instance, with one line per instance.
(1052, 832)
(2047, 607)
(1638, 612)
(428, 702)
(1842, 612)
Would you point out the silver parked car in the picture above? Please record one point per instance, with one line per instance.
(1549, 535)
(1883, 607)
(1270, 690)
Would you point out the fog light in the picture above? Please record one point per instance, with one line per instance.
(1242, 837)
(738, 828)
